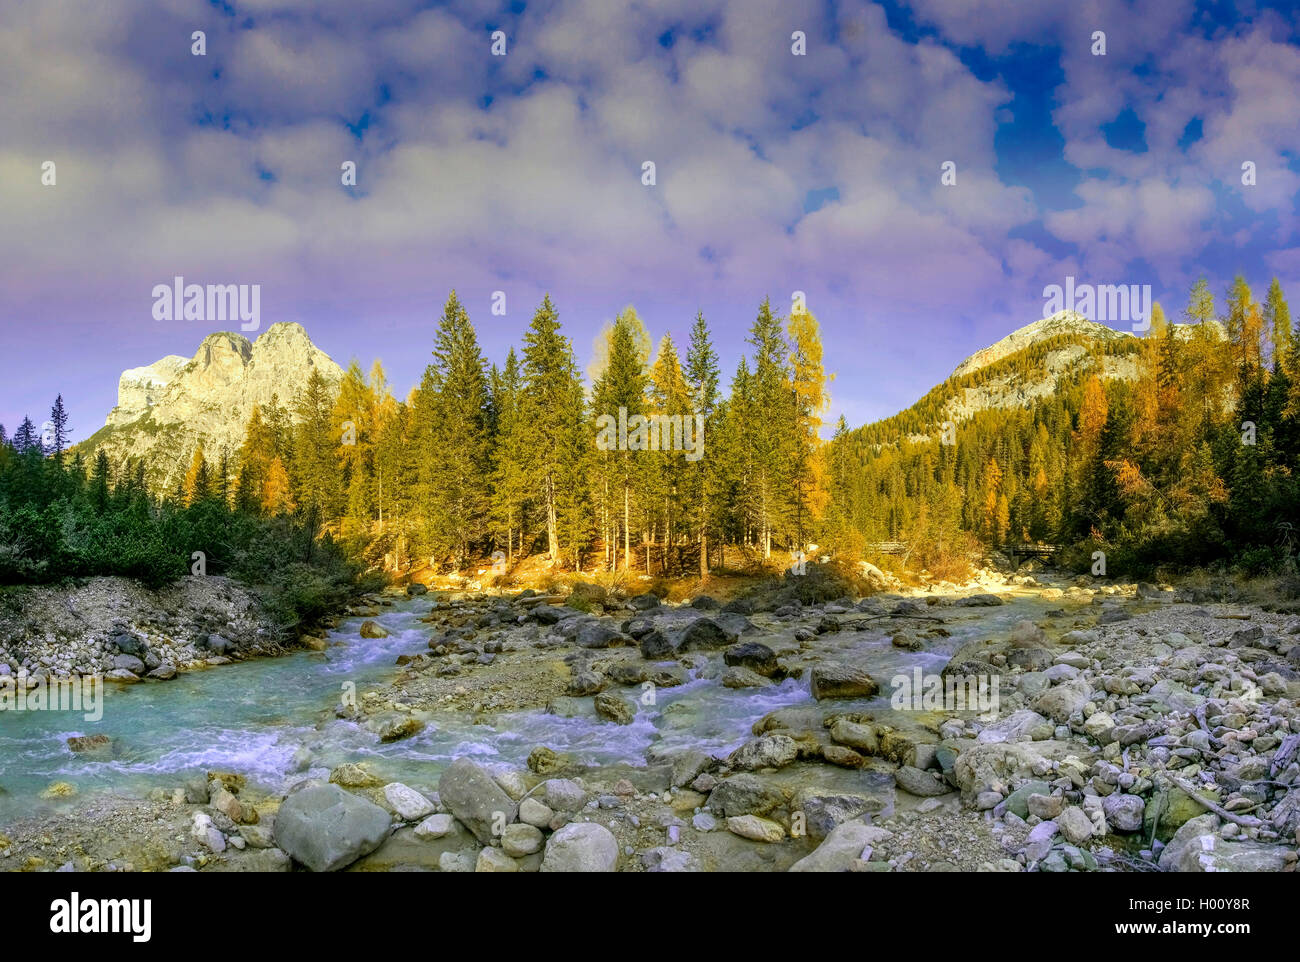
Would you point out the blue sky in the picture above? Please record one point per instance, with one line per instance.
(775, 173)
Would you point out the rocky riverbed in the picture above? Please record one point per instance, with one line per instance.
(1136, 728)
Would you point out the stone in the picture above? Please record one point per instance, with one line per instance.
(325, 828)
(755, 828)
(1060, 702)
(564, 794)
(855, 735)
(398, 728)
(96, 746)
(581, 847)
(841, 681)
(766, 752)
(535, 813)
(434, 827)
(842, 847)
(373, 629)
(917, 782)
(521, 839)
(744, 795)
(666, 859)
(495, 860)
(738, 677)
(351, 775)
(1075, 825)
(474, 797)
(1123, 812)
(611, 707)
(755, 656)
(1045, 807)
(409, 804)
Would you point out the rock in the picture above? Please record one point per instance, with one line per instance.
(130, 662)
(98, 746)
(163, 672)
(1046, 807)
(1026, 634)
(457, 862)
(596, 635)
(756, 828)
(917, 782)
(218, 645)
(841, 681)
(1075, 825)
(1030, 659)
(434, 827)
(581, 847)
(409, 804)
(754, 656)
(855, 735)
(586, 683)
(765, 752)
(1193, 837)
(644, 602)
(737, 677)
(415, 588)
(979, 601)
(1020, 726)
(1060, 702)
(842, 847)
(203, 831)
(521, 839)
(1123, 812)
(611, 707)
(495, 860)
(350, 775)
(744, 795)
(1018, 801)
(373, 629)
(535, 813)
(474, 797)
(399, 728)
(666, 859)
(547, 761)
(1039, 841)
(564, 794)
(122, 676)
(326, 828)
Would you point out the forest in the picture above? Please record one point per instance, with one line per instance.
(1188, 462)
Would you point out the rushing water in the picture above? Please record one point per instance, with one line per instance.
(273, 719)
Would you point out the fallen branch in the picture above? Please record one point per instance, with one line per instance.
(1246, 821)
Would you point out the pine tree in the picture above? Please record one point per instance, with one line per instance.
(197, 483)
(555, 431)
(702, 376)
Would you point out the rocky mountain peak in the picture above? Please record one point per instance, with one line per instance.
(167, 408)
(1062, 322)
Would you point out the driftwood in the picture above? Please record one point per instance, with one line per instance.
(1246, 821)
(1284, 754)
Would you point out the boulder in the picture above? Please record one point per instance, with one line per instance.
(581, 847)
(474, 797)
(326, 828)
(841, 681)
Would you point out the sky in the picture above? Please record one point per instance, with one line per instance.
(774, 173)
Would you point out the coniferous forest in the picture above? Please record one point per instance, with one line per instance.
(1189, 462)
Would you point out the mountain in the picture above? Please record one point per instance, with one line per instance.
(1029, 365)
(168, 408)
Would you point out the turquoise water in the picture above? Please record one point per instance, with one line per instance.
(273, 720)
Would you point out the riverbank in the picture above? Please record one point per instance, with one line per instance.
(1135, 728)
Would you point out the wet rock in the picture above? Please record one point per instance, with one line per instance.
(841, 681)
(372, 629)
(586, 683)
(754, 656)
(857, 736)
(398, 728)
(95, 746)
(351, 775)
(611, 707)
(737, 677)
(326, 828)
